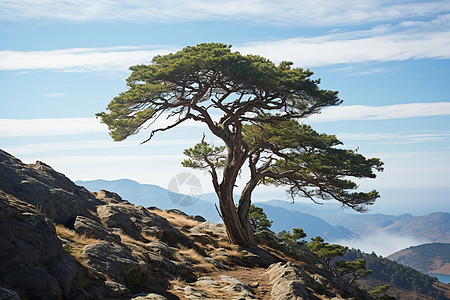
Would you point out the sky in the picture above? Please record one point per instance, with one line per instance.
(61, 62)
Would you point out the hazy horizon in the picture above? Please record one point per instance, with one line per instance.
(61, 63)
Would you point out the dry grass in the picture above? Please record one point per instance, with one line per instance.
(80, 240)
(176, 219)
(227, 245)
(190, 255)
(150, 238)
(76, 242)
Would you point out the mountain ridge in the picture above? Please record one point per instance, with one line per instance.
(427, 258)
(433, 227)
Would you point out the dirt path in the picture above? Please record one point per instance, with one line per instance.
(256, 277)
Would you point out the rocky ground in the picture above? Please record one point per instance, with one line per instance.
(60, 241)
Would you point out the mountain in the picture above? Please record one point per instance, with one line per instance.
(283, 219)
(433, 227)
(60, 241)
(152, 195)
(427, 258)
(404, 282)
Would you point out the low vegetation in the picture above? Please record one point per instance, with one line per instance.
(396, 274)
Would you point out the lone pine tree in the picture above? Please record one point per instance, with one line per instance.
(259, 105)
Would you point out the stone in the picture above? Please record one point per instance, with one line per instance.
(48, 190)
(215, 230)
(110, 260)
(192, 293)
(290, 281)
(28, 242)
(207, 281)
(137, 220)
(94, 229)
(197, 218)
(151, 296)
(116, 287)
(6, 294)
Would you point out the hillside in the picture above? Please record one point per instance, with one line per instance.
(433, 227)
(405, 282)
(427, 258)
(60, 241)
(152, 195)
(329, 220)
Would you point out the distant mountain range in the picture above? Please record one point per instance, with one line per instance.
(329, 220)
(427, 258)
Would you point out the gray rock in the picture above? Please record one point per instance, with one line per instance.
(291, 281)
(207, 281)
(151, 296)
(116, 287)
(94, 230)
(135, 220)
(28, 242)
(192, 293)
(216, 230)
(6, 294)
(110, 260)
(49, 191)
(216, 263)
(197, 218)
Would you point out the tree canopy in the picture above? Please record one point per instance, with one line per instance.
(258, 104)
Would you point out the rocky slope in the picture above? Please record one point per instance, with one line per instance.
(59, 241)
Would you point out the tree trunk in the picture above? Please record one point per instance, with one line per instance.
(238, 229)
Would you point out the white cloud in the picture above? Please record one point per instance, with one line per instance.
(282, 12)
(399, 111)
(48, 127)
(397, 138)
(71, 126)
(53, 95)
(382, 243)
(407, 40)
(79, 59)
(90, 144)
(425, 40)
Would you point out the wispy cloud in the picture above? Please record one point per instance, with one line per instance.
(74, 126)
(90, 144)
(399, 111)
(48, 127)
(53, 95)
(382, 243)
(68, 126)
(407, 40)
(283, 12)
(397, 138)
(79, 59)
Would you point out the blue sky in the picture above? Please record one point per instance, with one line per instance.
(63, 61)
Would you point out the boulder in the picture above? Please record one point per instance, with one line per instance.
(135, 220)
(28, 247)
(110, 260)
(290, 281)
(49, 191)
(6, 294)
(218, 231)
(94, 229)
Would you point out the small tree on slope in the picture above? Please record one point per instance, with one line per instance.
(259, 104)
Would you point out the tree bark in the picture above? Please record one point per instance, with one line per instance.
(236, 222)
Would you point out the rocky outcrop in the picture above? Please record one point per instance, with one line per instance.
(108, 248)
(138, 221)
(307, 282)
(94, 230)
(49, 191)
(32, 262)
